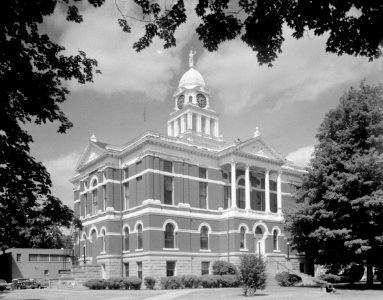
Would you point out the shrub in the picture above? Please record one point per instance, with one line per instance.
(171, 283)
(221, 267)
(191, 281)
(287, 279)
(229, 281)
(252, 272)
(114, 283)
(379, 273)
(210, 281)
(331, 278)
(353, 273)
(131, 283)
(95, 284)
(149, 282)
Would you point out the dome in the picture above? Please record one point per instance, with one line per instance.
(191, 79)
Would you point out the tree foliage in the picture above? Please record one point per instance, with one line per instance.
(252, 273)
(354, 27)
(33, 70)
(339, 217)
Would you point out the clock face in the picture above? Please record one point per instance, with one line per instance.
(201, 100)
(180, 101)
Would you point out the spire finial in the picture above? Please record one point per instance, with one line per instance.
(191, 54)
(93, 138)
(257, 132)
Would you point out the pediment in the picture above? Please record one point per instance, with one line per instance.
(91, 152)
(257, 146)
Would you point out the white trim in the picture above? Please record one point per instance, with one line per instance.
(90, 233)
(261, 223)
(174, 223)
(76, 201)
(88, 189)
(170, 249)
(225, 214)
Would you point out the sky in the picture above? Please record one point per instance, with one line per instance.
(287, 102)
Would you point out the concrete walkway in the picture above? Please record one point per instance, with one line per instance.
(168, 295)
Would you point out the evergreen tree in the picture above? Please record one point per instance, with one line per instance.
(339, 216)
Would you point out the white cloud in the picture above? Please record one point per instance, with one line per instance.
(123, 69)
(302, 156)
(301, 73)
(61, 170)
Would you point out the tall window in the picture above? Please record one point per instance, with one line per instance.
(241, 202)
(126, 269)
(275, 239)
(126, 173)
(226, 197)
(170, 268)
(139, 236)
(169, 236)
(205, 268)
(202, 172)
(139, 269)
(94, 198)
(18, 257)
(203, 124)
(104, 196)
(204, 238)
(203, 195)
(126, 195)
(168, 190)
(103, 242)
(242, 238)
(168, 166)
(85, 204)
(126, 239)
(273, 196)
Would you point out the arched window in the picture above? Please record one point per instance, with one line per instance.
(139, 236)
(169, 236)
(126, 239)
(103, 242)
(204, 238)
(241, 202)
(242, 238)
(275, 239)
(94, 198)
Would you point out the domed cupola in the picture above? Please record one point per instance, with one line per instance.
(192, 117)
(191, 79)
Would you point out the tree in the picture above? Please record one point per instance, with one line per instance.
(252, 273)
(339, 217)
(33, 70)
(354, 27)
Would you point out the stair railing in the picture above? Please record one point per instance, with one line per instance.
(280, 264)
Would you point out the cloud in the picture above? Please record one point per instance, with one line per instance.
(302, 156)
(123, 70)
(61, 170)
(301, 73)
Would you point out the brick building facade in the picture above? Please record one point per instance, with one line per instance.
(171, 205)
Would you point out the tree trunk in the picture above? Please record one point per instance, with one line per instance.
(370, 275)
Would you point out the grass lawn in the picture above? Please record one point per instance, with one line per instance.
(314, 293)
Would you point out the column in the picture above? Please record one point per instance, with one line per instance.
(247, 186)
(279, 192)
(170, 133)
(176, 127)
(198, 123)
(207, 126)
(190, 121)
(216, 133)
(267, 190)
(183, 127)
(233, 185)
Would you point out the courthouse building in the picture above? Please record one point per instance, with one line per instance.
(163, 205)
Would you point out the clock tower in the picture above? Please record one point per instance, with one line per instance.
(192, 117)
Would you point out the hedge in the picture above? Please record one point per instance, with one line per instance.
(287, 279)
(221, 267)
(149, 282)
(95, 284)
(191, 281)
(171, 282)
